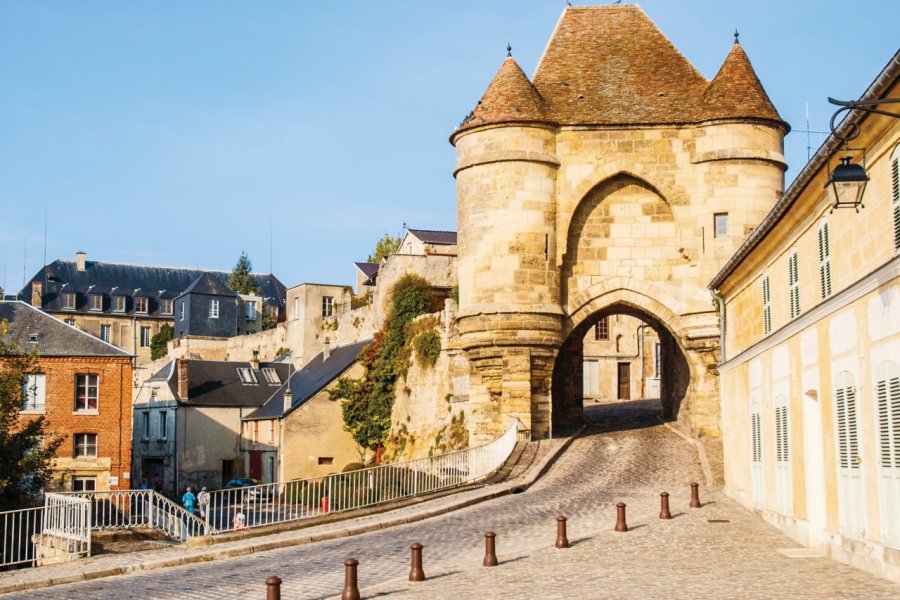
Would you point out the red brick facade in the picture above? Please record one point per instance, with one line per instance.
(111, 421)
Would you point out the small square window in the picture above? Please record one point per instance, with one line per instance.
(721, 221)
(141, 305)
(86, 392)
(326, 460)
(68, 301)
(213, 309)
(119, 304)
(85, 445)
(84, 484)
(165, 307)
(69, 322)
(96, 302)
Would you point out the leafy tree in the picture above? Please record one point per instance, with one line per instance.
(27, 447)
(386, 246)
(159, 343)
(269, 318)
(368, 401)
(241, 281)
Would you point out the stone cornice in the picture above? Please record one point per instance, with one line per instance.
(487, 158)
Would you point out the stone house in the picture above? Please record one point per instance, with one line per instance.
(82, 387)
(622, 360)
(299, 432)
(187, 419)
(123, 304)
(810, 372)
(366, 275)
(207, 308)
(313, 311)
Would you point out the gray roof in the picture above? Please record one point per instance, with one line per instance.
(429, 236)
(51, 336)
(310, 380)
(217, 383)
(209, 285)
(368, 269)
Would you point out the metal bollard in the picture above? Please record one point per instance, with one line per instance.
(490, 550)
(664, 506)
(561, 540)
(351, 589)
(273, 588)
(695, 495)
(415, 572)
(621, 525)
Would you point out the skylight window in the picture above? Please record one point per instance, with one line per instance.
(247, 376)
(271, 376)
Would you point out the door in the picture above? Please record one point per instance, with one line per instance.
(850, 484)
(256, 465)
(591, 379)
(887, 394)
(624, 381)
(227, 471)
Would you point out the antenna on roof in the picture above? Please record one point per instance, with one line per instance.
(809, 131)
(271, 270)
(24, 261)
(45, 237)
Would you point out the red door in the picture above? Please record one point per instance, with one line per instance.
(256, 465)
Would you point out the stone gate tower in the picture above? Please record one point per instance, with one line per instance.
(618, 180)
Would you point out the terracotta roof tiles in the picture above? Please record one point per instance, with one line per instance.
(736, 91)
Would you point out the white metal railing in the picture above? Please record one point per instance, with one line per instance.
(59, 531)
(19, 527)
(268, 504)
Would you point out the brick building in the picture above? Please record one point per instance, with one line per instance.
(83, 388)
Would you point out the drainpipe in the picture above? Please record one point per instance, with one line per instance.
(720, 301)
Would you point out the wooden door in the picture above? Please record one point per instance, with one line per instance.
(256, 465)
(624, 381)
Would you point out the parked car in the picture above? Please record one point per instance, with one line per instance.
(254, 493)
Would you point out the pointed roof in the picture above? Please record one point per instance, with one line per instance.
(510, 98)
(31, 329)
(207, 284)
(611, 65)
(736, 91)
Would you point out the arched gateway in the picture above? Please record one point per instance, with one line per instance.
(618, 181)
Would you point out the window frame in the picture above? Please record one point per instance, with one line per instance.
(93, 301)
(767, 304)
(250, 312)
(327, 306)
(108, 328)
(145, 425)
(142, 305)
(84, 480)
(119, 300)
(247, 376)
(601, 330)
(271, 376)
(720, 218)
(31, 383)
(824, 259)
(163, 431)
(145, 333)
(87, 386)
(181, 310)
(166, 307)
(794, 284)
(895, 196)
(81, 450)
(66, 298)
(213, 308)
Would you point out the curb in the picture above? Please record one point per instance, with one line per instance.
(701, 452)
(490, 492)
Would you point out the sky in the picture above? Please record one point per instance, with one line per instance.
(184, 133)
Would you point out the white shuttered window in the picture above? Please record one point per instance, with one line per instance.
(824, 259)
(850, 484)
(767, 305)
(794, 281)
(895, 191)
(887, 395)
(783, 483)
(756, 456)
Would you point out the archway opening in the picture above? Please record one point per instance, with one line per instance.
(618, 363)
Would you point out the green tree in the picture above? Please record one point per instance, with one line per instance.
(159, 346)
(269, 318)
(241, 280)
(386, 246)
(27, 447)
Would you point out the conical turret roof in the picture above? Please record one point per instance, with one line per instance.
(510, 98)
(736, 91)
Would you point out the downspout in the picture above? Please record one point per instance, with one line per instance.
(720, 301)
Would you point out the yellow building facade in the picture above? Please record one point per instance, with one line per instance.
(810, 377)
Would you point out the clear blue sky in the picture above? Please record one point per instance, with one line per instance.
(179, 133)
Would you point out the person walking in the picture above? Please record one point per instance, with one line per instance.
(189, 500)
(203, 502)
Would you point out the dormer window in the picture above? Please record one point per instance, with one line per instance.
(68, 300)
(165, 307)
(271, 376)
(119, 304)
(141, 305)
(247, 376)
(95, 302)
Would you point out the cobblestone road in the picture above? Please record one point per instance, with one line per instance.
(622, 456)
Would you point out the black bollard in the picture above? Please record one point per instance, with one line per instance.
(415, 572)
(664, 506)
(351, 588)
(621, 525)
(695, 495)
(562, 541)
(273, 588)
(490, 550)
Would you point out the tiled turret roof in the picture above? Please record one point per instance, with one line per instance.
(736, 91)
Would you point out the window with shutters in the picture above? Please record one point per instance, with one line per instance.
(783, 482)
(895, 191)
(851, 494)
(767, 305)
(756, 456)
(794, 281)
(887, 395)
(824, 259)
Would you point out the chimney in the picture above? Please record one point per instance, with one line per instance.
(37, 297)
(79, 260)
(288, 399)
(183, 378)
(326, 349)
(254, 362)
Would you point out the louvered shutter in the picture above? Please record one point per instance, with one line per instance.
(850, 484)
(824, 260)
(756, 474)
(887, 393)
(783, 481)
(767, 306)
(895, 181)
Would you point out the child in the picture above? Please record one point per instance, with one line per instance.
(239, 521)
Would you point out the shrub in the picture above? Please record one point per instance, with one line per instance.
(428, 347)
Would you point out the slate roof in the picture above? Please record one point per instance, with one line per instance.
(611, 65)
(53, 337)
(209, 285)
(310, 380)
(107, 279)
(368, 269)
(217, 383)
(439, 238)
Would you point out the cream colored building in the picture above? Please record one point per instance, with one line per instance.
(810, 377)
(622, 360)
(313, 310)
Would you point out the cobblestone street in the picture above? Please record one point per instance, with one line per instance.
(624, 455)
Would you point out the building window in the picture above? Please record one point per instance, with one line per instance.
(895, 190)
(69, 322)
(145, 418)
(85, 392)
(105, 331)
(214, 309)
(656, 359)
(767, 305)
(85, 445)
(327, 306)
(271, 376)
(96, 302)
(163, 425)
(254, 429)
(68, 301)
(84, 484)
(181, 311)
(824, 259)
(272, 431)
(794, 281)
(250, 308)
(141, 305)
(601, 329)
(721, 223)
(119, 304)
(247, 376)
(34, 392)
(165, 307)
(296, 308)
(326, 460)
(145, 337)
